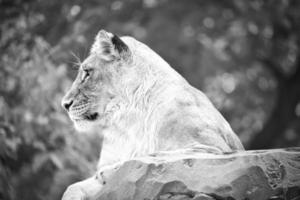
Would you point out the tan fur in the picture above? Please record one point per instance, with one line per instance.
(144, 105)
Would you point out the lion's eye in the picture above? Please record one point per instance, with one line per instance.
(85, 75)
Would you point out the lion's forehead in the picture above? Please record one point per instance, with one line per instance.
(139, 50)
(91, 62)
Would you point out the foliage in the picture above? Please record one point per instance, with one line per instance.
(243, 54)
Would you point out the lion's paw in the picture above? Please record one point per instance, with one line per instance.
(74, 192)
(106, 171)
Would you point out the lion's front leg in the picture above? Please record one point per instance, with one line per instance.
(83, 190)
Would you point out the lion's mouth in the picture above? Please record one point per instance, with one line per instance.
(81, 112)
(87, 116)
(91, 117)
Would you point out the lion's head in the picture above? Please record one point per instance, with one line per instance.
(99, 82)
(116, 73)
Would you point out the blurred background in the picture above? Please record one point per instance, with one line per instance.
(244, 54)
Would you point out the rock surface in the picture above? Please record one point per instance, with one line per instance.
(258, 175)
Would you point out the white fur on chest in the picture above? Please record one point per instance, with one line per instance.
(124, 144)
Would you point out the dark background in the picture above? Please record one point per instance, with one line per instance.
(243, 54)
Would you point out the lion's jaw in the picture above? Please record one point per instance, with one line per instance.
(87, 116)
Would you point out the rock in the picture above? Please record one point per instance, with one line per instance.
(258, 175)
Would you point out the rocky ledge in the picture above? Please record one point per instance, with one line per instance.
(258, 175)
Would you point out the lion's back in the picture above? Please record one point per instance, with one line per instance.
(190, 120)
(184, 115)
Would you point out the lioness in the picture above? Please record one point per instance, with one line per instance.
(141, 106)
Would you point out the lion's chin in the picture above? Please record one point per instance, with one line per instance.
(90, 122)
(85, 126)
(86, 123)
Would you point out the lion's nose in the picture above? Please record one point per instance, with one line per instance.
(67, 104)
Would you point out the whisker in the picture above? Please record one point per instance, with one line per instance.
(77, 62)
(74, 65)
(76, 57)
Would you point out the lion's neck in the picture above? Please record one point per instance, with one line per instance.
(123, 143)
(132, 128)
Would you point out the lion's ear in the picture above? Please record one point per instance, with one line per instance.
(109, 47)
